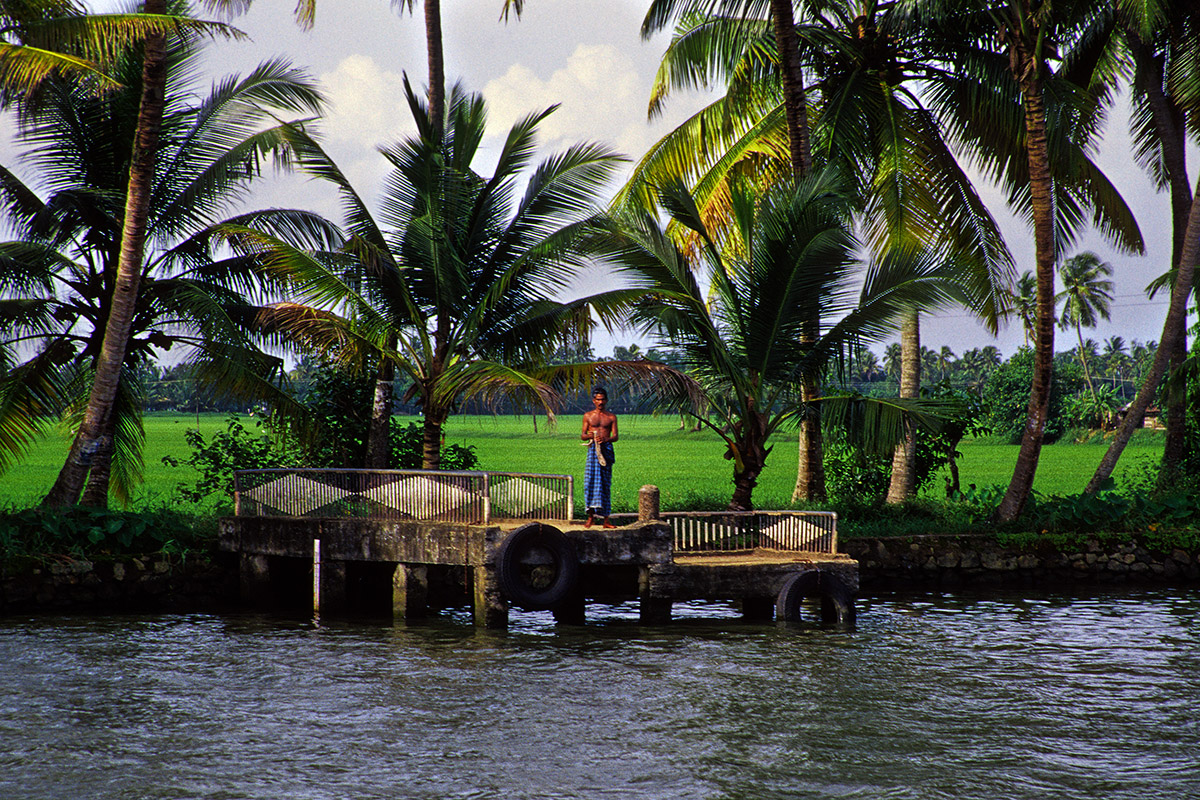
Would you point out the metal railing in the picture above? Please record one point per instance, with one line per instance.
(468, 497)
(732, 531)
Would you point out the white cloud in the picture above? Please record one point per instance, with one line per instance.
(366, 104)
(596, 88)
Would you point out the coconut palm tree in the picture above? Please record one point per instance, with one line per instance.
(452, 281)
(912, 191)
(1026, 88)
(1162, 39)
(59, 280)
(1023, 303)
(1086, 295)
(135, 222)
(741, 337)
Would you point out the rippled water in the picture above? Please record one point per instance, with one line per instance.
(953, 697)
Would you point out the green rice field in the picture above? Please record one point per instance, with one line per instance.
(687, 467)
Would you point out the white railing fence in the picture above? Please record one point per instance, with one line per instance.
(732, 531)
(468, 497)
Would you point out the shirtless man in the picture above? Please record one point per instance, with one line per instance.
(599, 431)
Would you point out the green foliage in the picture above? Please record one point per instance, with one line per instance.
(1082, 410)
(234, 448)
(406, 450)
(853, 475)
(1006, 396)
(89, 532)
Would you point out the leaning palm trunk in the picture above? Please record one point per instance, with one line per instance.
(904, 461)
(95, 493)
(1042, 204)
(1168, 120)
(1173, 329)
(437, 71)
(91, 435)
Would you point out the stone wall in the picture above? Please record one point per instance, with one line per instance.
(950, 562)
(151, 583)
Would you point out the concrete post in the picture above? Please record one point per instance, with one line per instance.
(491, 609)
(652, 610)
(410, 591)
(648, 503)
(758, 608)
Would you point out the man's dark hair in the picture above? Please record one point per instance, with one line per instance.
(600, 390)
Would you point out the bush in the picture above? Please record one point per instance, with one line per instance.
(232, 449)
(87, 532)
(1006, 397)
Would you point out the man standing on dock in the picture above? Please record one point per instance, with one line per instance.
(599, 431)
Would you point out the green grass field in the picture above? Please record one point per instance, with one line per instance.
(687, 467)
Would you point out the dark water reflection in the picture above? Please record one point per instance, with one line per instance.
(954, 697)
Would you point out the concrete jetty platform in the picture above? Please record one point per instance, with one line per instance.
(769, 562)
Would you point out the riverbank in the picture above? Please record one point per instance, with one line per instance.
(163, 582)
(158, 582)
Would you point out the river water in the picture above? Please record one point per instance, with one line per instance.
(998, 696)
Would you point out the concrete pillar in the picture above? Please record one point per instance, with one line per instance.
(410, 591)
(572, 611)
(333, 587)
(758, 608)
(648, 503)
(254, 579)
(491, 609)
(653, 610)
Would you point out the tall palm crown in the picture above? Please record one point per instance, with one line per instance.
(454, 279)
(58, 284)
(1086, 296)
(736, 315)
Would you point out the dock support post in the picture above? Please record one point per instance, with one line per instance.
(254, 579)
(652, 610)
(410, 591)
(333, 587)
(491, 609)
(758, 608)
(572, 611)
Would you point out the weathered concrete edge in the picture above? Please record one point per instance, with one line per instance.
(933, 562)
(917, 563)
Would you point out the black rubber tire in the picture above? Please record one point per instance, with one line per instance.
(515, 550)
(837, 602)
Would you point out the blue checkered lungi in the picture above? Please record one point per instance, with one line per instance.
(597, 480)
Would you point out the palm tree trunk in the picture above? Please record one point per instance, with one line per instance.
(90, 437)
(810, 471)
(431, 438)
(379, 435)
(1087, 375)
(437, 70)
(1168, 121)
(1042, 204)
(904, 460)
(1173, 329)
(795, 104)
(95, 493)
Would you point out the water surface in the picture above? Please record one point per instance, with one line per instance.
(1011, 696)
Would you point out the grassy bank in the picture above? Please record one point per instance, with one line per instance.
(687, 466)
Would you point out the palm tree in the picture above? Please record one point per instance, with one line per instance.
(1024, 69)
(1162, 39)
(912, 191)
(1116, 359)
(59, 283)
(453, 281)
(135, 219)
(1023, 303)
(40, 39)
(741, 337)
(1086, 296)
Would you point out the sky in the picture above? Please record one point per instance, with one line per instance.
(588, 56)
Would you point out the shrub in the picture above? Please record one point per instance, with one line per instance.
(1006, 396)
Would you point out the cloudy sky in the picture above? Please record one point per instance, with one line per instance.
(588, 56)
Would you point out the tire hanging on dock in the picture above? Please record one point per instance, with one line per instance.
(837, 602)
(537, 567)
